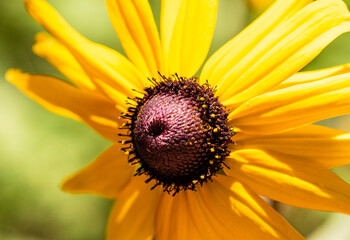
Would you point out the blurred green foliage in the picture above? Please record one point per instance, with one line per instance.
(38, 149)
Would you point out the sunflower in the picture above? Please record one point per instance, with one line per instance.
(192, 156)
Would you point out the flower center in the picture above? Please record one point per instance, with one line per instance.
(179, 133)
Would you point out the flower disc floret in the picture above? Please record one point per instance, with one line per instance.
(179, 133)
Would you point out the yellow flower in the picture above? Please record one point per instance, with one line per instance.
(276, 151)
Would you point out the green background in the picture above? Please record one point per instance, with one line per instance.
(38, 149)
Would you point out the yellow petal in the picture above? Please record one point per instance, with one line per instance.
(108, 69)
(174, 219)
(134, 23)
(296, 182)
(259, 5)
(244, 42)
(164, 214)
(209, 223)
(133, 215)
(228, 210)
(311, 76)
(325, 146)
(246, 70)
(187, 29)
(63, 99)
(294, 106)
(208, 213)
(106, 176)
(59, 56)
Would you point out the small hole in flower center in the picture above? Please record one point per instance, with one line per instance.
(156, 129)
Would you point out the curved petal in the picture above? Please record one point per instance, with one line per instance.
(106, 176)
(294, 106)
(248, 70)
(134, 23)
(325, 146)
(55, 53)
(63, 99)
(222, 209)
(133, 215)
(315, 75)
(226, 209)
(108, 69)
(230, 54)
(174, 220)
(187, 29)
(296, 182)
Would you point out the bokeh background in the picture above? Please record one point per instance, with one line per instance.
(39, 149)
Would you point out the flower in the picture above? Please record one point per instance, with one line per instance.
(274, 150)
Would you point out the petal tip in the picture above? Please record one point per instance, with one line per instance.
(41, 36)
(68, 185)
(27, 3)
(41, 40)
(64, 185)
(13, 74)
